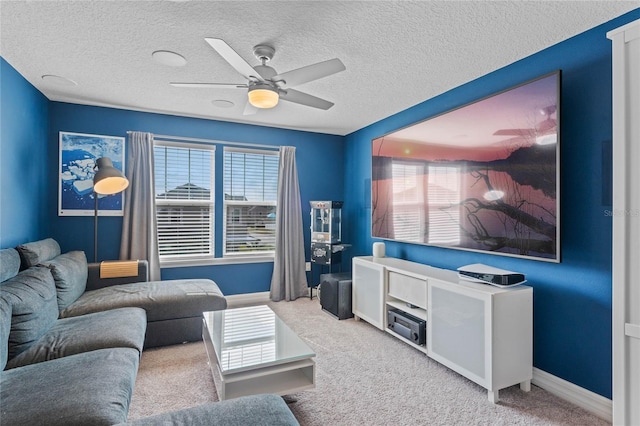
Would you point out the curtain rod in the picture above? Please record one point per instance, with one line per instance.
(211, 141)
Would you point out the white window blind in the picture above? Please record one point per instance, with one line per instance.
(248, 337)
(444, 205)
(184, 200)
(250, 196)
(408, 201)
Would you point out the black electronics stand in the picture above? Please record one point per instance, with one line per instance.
(328, 257)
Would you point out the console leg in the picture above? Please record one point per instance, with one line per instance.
(493, 396)
(357, 318)
(525, 386)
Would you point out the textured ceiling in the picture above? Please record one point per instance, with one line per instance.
(397, 54)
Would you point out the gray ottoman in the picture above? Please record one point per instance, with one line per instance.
(174, 308)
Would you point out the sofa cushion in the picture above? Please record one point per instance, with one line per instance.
(246, 410)
(69, 271)
(37, 252)
(9, 263)
(5, 329)
(117, 328)
(32, 294)
(162, 300)
(92, 388)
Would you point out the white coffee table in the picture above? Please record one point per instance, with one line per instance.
(251, 351)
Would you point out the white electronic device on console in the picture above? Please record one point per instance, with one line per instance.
(478, 272)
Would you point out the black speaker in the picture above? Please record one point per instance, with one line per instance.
(335, 294)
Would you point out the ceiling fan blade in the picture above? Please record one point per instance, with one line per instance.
(249, 109)
(514, 132)
(234, 59)
(210, 85)
(310, 72)
(547, 125)
(298, 97)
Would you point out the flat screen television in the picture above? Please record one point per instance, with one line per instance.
(481, 177)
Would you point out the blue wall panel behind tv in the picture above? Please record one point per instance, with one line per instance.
(572, 300)
(23, 159)
(319, 160)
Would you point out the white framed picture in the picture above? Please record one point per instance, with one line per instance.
(78, 155)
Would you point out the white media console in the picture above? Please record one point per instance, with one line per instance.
(480, 331)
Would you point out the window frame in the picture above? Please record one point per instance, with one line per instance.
(452, 233)
(190, 259)
(254, 255)
(415, 205)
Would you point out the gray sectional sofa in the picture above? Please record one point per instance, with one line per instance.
(70, 342)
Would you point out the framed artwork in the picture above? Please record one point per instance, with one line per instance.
(78, 155)
(482, 177)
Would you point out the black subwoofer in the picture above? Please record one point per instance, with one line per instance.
(335, 294)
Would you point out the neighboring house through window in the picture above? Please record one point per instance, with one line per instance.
(185, 200)
(250, 195)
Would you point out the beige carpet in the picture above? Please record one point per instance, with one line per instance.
(364, 377)
(171, 378)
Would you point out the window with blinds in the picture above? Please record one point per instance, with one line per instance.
(249, 337)
(250, 196)
(184, 182)
(444, 205)
(408, 201)
(429, 205)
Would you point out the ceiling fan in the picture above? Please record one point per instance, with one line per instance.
(265, 86)
(548, 125)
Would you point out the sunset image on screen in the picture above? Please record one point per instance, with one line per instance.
(481, 177)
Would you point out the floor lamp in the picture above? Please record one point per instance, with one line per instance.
(107, 181)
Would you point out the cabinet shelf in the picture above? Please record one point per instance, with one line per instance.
(399, 304)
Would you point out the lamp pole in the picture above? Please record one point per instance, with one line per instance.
(107, 180)
(95, 227)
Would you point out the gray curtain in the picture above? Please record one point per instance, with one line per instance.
(289, 280)
(139, 235)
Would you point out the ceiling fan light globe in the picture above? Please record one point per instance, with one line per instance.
(263, 98)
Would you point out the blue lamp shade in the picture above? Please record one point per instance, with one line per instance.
(108, 180)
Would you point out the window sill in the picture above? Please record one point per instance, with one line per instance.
(236, 260)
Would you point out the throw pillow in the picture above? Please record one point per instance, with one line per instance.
(32, 294)
(9, 264)
(37, 252)
(5, 329)
(69, 271)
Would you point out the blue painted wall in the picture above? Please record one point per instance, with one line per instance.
(319, 159)
(572, 300)
(23, 159)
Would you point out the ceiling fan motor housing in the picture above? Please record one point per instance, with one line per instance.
(265, 71)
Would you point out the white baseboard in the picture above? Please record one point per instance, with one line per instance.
(235, 300)
(590, 401)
